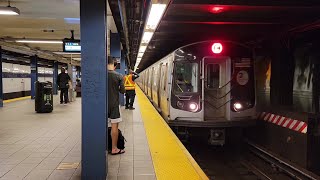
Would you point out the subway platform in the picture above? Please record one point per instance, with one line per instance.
(48, 146)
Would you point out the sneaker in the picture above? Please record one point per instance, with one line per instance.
(132, 108)
(127, 108)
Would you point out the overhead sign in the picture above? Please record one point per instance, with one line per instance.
(71, 46)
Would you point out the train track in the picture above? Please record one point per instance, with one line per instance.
(245, 162)
(280, 166)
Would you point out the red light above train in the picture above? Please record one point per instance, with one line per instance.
(216, 48)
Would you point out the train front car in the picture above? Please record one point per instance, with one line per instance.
(213, 87)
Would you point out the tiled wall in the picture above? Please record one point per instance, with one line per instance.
(16, 79)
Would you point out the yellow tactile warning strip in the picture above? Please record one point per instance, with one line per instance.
(16, 99)
(170, 158)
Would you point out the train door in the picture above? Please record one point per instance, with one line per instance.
(151, 71)
(146, 82)
(215, 87)
(155, 85)
(163, 90)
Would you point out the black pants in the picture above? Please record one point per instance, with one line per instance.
(64, 93)
(130, 95)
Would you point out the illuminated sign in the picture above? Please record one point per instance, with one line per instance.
(72, 46)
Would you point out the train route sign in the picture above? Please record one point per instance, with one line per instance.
(242, 77)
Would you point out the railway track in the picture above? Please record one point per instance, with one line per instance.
(246, 161)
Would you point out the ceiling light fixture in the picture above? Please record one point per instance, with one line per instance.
(39, 41)
(147, 37)
(155, 15)
(153, 20)
(9, 11)
(142, 49)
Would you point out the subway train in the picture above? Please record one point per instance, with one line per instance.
(208, 85)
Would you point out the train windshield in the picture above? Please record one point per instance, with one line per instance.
(186, 77)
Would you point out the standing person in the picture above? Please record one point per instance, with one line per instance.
(115, 85)
(130, 86)
(63, 83)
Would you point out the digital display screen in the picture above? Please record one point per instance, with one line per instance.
(72, 46)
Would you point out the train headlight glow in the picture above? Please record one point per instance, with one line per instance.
(193, 106)
(237, 106)
(216, 48)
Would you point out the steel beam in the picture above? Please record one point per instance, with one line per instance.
(55, 76)
(1, 85)
(34, 74)
(93, 25)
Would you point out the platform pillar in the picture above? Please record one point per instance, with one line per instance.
(1, 85)
(34, 74)
(316, 87)
(115, 51)
(93, 25)
(282, 70)
(72, 74)
(55, 76)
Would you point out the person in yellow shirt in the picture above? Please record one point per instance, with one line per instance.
(130, 87)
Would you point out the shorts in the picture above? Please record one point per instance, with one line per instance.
(114, 115)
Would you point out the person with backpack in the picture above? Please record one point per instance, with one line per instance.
(115, 85)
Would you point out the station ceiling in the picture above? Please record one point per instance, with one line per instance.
(46, 19)
(187, 21)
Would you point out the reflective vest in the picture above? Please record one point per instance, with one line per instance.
(129, 84)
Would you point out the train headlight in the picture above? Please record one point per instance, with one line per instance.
(193, 106)
(237, 106)
(180, 104)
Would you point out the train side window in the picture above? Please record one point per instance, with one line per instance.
(213, 76)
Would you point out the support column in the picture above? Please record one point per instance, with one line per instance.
(34, 75)
(72, 74)
(94, 88)
(1, 85)
(55, 76)
(282, 70)
(115, 51)
(316, 86)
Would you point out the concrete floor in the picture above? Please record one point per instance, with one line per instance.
(34, 146)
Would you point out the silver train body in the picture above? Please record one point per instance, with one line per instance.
(206, 84)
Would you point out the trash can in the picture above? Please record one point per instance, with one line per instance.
(44, 97)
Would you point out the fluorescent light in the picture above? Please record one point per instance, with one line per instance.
(140, 55)
(10, 11)
(67, 53)
(155, 15)
(39, 41)
(147, 37)
(142, 48)
(72, 20)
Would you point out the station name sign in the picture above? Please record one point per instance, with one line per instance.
(71, 46)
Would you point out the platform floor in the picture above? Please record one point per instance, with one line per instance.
(48, 146)
(35, 146)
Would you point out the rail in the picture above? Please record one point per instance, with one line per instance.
(291, 170)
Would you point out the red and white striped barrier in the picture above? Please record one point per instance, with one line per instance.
(293, 124)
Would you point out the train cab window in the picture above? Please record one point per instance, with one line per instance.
(213, 76)
(186, 77)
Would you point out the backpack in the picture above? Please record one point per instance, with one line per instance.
(121, 140)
